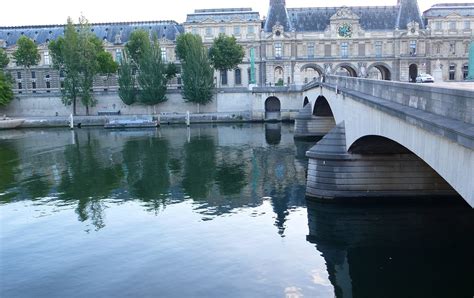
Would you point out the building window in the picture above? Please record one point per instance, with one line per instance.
(412, 47)
(224, 77)
(33, 75)
(222, 30)
(361, 49)
(250, 29)
(344, 50)
(48, 85)
(118, 55)
(452, 25)
(208, 31)
(465, 71)
(33, 85)
(62, 84)
(194, 31)
(20, 86)
(61, 73)
(452, 72)
(238, 77)
(47, 76)
(46, 58)
(311, 50)
(378, 49)
(438, 25)
(164, 58)
(18, 75)
(438, 48)
(237, 30)
(467, 25)
(278, 50)
(327, 50)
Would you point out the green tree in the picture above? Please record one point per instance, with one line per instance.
(81, 56)
(107, 65)
(225, 53)
(197, 73)
(127, 82)
(3, 59)
(26, 54)
(152, 76)
(6, 93)
(138, 44)
(171, 70)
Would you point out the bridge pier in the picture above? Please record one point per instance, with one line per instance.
(335, 173)
(307, 125)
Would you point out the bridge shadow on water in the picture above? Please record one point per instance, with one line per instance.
(395, 250)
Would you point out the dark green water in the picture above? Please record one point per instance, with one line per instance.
(213, 211)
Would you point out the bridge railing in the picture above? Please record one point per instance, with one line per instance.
(452, 103)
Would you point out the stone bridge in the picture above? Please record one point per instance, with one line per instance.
(385, 139)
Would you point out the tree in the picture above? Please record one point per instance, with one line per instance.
(126, 80)
(6, 93)
(26, 54)
(225, 53)
(197, 73)
(152, 76)
(137, 45)
(81, 56)
(107, 65)
(3, 59)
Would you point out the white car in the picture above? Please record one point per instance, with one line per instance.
(424, 78)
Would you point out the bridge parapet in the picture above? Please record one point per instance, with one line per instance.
(451, 103)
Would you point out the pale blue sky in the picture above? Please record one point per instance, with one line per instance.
(41, 12)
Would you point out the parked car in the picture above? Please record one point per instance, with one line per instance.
(424, 78)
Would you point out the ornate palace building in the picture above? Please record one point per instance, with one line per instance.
(291, 46)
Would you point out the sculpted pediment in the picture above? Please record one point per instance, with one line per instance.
(453, 15)
(345, 13)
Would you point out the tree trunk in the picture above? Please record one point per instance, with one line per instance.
(87, 110)
(74, 106)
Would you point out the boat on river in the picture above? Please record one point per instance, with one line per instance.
(8, 123)
(131, 123)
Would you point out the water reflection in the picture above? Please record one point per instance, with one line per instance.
(220, 169)
(395, 251)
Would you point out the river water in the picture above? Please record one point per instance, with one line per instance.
(210, 211)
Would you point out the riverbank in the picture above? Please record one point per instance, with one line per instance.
(163, 119)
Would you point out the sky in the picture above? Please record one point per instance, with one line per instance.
(44, 12)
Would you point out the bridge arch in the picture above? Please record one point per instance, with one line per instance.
(380, 71)
(305, 101)
(322, 107)
(272, 109)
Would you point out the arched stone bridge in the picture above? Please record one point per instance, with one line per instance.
(387, 139)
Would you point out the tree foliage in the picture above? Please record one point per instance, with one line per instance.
(3, 59)
(6, 93)
(81, 56)
(152, 77)
(138, 44)
(143, 57)
(197, 73)
(225, 53)
(126, 80)
(26, 54)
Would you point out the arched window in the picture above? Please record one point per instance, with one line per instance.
(465, 71)
(452, 72)
(238, 76)
(224, 77)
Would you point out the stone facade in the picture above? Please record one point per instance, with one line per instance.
(292, 45)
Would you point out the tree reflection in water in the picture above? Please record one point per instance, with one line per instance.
(88, 180)
(395, 250)
(9, 163)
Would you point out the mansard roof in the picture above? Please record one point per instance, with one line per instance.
(223, 15)
(318, 18)
(108, 31)
(445, 9)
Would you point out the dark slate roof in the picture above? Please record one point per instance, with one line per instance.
(318, 18)
(42, 34)
(409, 12)
(445, 9)
(223, 15)
(277, 14)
